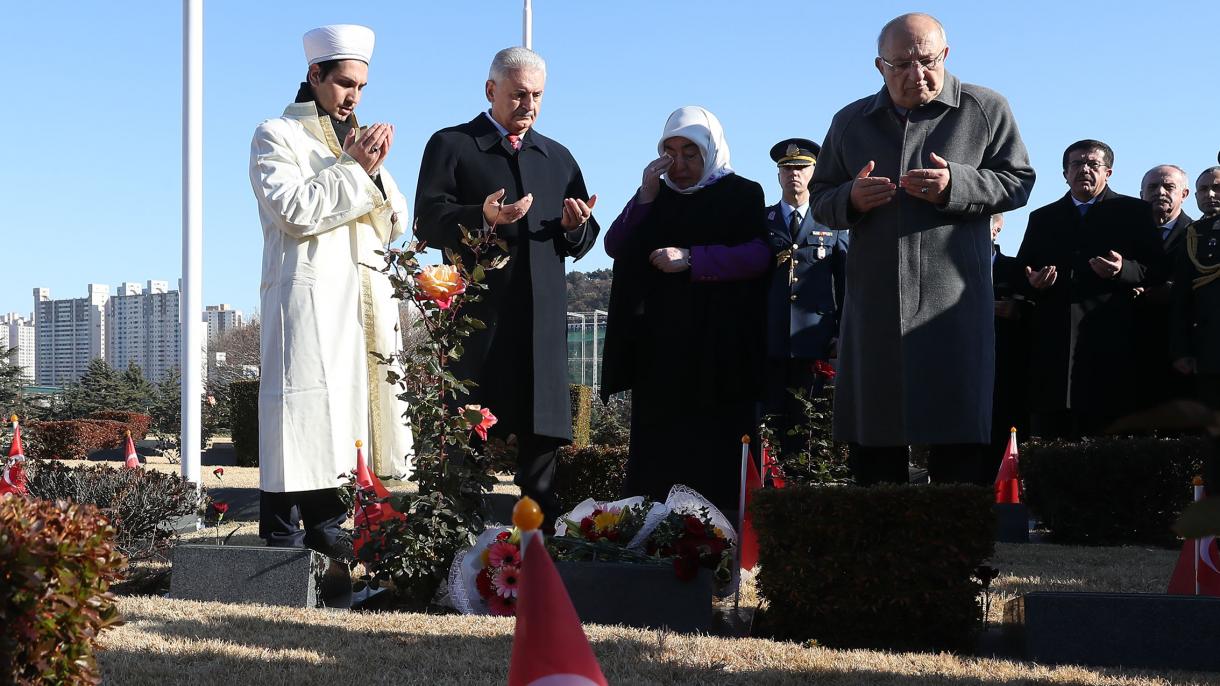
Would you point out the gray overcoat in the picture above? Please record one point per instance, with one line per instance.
(916, 342)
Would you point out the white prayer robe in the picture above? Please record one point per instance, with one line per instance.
(324, 308)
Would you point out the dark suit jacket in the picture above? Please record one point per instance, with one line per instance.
(803, 316)
(520, 360)
(1082, 326)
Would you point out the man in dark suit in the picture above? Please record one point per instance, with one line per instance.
(1084, 256)
(1165, 187)
(1009, 404)
(1207, 191)
(805, 296)
(496, 173)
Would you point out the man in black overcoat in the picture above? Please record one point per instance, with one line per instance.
(1010, 396)
(1085, 255)
(1165, 187)
(496, 173)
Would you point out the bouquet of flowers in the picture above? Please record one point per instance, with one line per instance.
(686, 531)
(486, 581)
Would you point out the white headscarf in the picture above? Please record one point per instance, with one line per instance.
(703, 129)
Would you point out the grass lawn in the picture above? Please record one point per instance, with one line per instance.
(182, 642)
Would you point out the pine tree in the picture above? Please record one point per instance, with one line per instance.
(137, 394)
(99, 388)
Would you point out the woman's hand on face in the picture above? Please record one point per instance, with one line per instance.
(650, 185)
(670, 260)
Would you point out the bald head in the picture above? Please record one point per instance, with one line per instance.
(911, 27)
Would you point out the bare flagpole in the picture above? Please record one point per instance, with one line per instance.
(527, 25)
(191, 295)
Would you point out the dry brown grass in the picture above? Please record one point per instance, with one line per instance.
(183, 642)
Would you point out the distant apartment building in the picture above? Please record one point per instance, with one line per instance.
(68, 334)
(142, 326)
(17, 335)
(220, 318)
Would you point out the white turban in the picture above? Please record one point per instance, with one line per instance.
(339, 42)
(703, 129)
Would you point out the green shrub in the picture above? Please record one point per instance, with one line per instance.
(243, 416)
(73, 439)
(883, 567)
(582, 414)
(57, 561)
(596, 471)
(1111, 490)
(137, 423)
(612, 420)
(141, 504)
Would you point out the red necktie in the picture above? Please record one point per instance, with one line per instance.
(515, 141)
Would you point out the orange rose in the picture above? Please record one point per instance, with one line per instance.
(440, 283)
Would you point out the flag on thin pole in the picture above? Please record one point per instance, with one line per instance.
(1197, 571)
(747, 542)
(367, 517)
(133, 460)
(12, 480)
(1008, 479)
(549, 644)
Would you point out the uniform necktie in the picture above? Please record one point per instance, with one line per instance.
(794, 224)
(1083, 208)
(515, 141)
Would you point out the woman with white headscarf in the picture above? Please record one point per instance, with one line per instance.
(686, 314)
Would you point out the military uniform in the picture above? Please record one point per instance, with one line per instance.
(1196, 317)
(804, 298)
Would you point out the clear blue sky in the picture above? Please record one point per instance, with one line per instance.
(91, 187)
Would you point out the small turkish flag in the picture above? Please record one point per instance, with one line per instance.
(748, 539)
(549, 644)
(133, 460)
(12, 480)
(1198, 569)
(1008, 480)
(368, 517)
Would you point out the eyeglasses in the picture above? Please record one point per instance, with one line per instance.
(1077, 165)
(926, 64)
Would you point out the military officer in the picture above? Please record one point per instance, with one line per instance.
(1194, 340)
(806, 292)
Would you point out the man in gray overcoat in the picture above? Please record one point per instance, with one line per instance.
(915, 171)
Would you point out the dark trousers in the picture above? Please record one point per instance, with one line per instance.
(280, 516)
(536, 460)
(947, 464)
(784, 375)
(1208, 387)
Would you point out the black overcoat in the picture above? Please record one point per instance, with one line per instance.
(520, 361)
(1082, 351)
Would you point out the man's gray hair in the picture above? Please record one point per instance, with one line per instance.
(896, 21)
(1178, 171)
(514, 59)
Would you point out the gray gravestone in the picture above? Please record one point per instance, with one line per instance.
(1012, 522)
(638, 595)
(1118, 629)
(295, 577)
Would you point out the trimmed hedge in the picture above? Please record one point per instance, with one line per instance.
(596, 471)
(243, 419)
(1111, 490)
(58, 561)
(137, 423)
(141, 504)
(582, 414)
(73, 439)
(883, 567)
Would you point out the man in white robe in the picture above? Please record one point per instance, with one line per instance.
(328, 315)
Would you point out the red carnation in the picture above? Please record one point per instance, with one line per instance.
(823, 369)
(220, 507)
(693, 525)
(218, 472)
(482, 582)
(685, 568)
